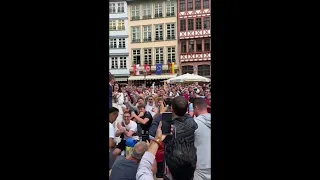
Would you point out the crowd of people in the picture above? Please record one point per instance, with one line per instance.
(135, 113)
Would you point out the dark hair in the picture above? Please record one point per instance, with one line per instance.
(126, 112)
(141, 106)
(113, 109)
(200, 102)
(119, 90)
(140, 98)
(110, 77)
(181, 158)
(179, 105)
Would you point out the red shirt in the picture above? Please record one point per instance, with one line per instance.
(160, 153)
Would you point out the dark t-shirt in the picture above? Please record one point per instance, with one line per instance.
(146, 127)
(124, 169)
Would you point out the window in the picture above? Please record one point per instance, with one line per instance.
(190, 25)
(112, 7)
(122, 43)
(198, 4)
(182, 5)
(207, 44)
(113, 43)
(190, 5)
(170, 9)
(159, 55)
(136, 34)
(158, 10)
(148, 56)
(183, 46)
(147, 33)
(114, 63)
(187, 69)
(159, 32)
(199, 45)
(204, 70)
(191, 46)
(206, 23)
(182, 25)
(136, 56)
(205, 4)
(121, 25)
(123, 62)
(198, 23)
(135, 12)
(112, 26)
(171, 54)
(147, 11)
(171, 35)
(121, 7)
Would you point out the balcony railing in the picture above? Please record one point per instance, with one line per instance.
(146, 17)
(159, 38)
(173, 37)
(135, 18)
(135, 40)
(158, 15)
(170, 14)
(147, 39)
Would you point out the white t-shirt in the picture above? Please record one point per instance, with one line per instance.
(111, 131)
(132, 126)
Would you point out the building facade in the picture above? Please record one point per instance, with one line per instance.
(119, 62)
(194, 38)
(153, 37)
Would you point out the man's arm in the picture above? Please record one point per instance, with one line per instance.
(129, 133)
(142, 121)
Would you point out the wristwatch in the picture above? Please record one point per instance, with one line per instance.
(158, 141)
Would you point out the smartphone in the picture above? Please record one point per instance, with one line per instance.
(166, 122)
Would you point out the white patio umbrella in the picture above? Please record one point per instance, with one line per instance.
(188, 78)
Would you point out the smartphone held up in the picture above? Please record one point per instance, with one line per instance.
(167, 121)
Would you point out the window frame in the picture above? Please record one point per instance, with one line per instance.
(204, 22)
(159, 56)
(114, 61)
(147, 38)
(112, 5)
(158, 31)
(147, 57)
(121, 25)
(184, 43)
(120, 8)
(136, 56)
(122, 43)
(171, 32)
(170, 9)
(147, 8)
(187, 69)
(182, 4)
(190, 6)
(135, 34)
(205, 71)
(206, 2)
(135, 12)
(183, 26)
(113, 43)
(158, 10)
(199, 40)
(192, 25)
(197, 23)
(171, 54)
(124, 62)
(113, 25)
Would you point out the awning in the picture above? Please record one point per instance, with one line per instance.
(121, 79)
(152, 77)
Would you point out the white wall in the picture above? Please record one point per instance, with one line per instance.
(117, 35)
